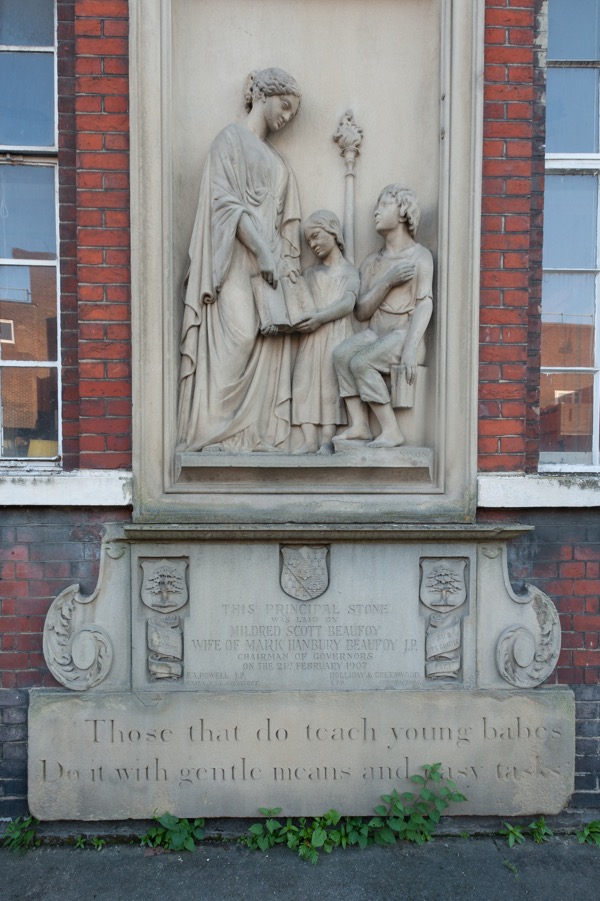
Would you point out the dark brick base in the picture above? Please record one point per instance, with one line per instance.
(13, 753)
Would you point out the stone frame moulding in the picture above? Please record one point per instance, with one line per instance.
(439, 483)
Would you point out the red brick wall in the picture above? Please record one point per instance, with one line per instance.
(511, 239)
(94, 165)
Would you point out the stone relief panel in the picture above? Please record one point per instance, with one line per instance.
(286, 262)
(304, 571)
(274, 361)
(444, 591)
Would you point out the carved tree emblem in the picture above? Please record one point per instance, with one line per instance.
(164, 586)
(443, 582)
(304, 573)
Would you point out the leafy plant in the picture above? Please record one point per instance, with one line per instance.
(408, 816)
(411, 817)
(268, 834)
(510, 866)
(540, 831)
(98, 842)
(589, 834)
(80, 841)
(20, 834)
(173, 833)
(514, 834)
(308, 838)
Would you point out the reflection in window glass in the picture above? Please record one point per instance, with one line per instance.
(568, 297)
(574, 29)
(29, 412)
(570, 211)
(27, 23)
(572, 111)
(566, 413)
(32, 310)
(27, 212)
(27, 99)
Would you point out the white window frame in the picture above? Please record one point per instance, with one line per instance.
(579, 164)
(26, 155)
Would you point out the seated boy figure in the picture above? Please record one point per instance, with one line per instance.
(396, 299)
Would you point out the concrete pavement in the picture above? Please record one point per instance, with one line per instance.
(447, 869)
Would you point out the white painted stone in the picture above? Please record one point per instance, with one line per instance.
(120, 755)
(84, 488)
(548, 490)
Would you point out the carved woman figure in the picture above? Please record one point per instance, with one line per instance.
(334, 285)
(234, 388)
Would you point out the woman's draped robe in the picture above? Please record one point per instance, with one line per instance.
(234, 387)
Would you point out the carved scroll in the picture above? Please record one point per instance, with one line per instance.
(526, 659)
(165, 645)
(78, 655)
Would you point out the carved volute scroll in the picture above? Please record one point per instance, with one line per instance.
(79, 655)
(524, 658)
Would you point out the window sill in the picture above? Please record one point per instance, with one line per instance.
(547, 489)
(37, 487)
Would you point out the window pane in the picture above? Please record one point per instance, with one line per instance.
(568, 320)
(570, 213)
(29, 412)
(28, 300)
(566, 402)
(27, 213)
(572, 111)
(27, 23)
(27, 99)
(573, 29)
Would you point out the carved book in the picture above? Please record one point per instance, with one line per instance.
(283, 306)
(402, 391)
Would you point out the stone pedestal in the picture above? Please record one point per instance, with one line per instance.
(303, 668)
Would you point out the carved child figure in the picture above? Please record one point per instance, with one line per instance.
(333, 283)
(396, 298)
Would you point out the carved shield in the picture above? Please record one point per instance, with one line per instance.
(443, 582)
(164, 587)
(304, 573)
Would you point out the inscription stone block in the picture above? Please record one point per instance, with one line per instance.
(120, 755)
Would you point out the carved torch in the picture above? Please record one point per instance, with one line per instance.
(349, 137)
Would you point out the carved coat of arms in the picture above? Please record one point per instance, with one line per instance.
(304, 573)
(443, 582)
(164, 586)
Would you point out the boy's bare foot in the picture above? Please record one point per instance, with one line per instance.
(385, 441)
(355, 434)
